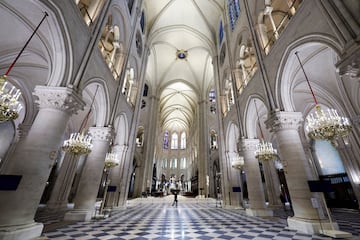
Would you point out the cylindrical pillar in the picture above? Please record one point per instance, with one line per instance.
(32, 161)
(60, 193)
(85, 198)
(285, 125)
(253, 180)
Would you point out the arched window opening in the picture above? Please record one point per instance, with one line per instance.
(174, 141)
(129, 88)
(212, 100)
(234, 12)
(111, 49)
(164, 163)
(221, 33)
(183, 163)
(90, 9)
(166, 140)
(142, 22)
(146, 89)
(229, 92)
(183, 141)
(247, 67)
(213, 140)
(140, 137)
(173, 163)
(143, 104)
(273, 20)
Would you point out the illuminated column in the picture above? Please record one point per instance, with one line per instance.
(33, 159)
(85, 198)
(253, 180)
(285, 125)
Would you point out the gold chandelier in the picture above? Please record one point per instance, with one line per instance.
(264, 150)
(325, 125)
(111, 160)
(9, 94)
(237, 162)
(80, 143)
(9, 100)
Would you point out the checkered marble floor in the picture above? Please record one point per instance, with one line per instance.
(190, 220)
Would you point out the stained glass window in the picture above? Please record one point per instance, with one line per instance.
(142, 21)
(166, 140)
(221, 32)
(234, 12)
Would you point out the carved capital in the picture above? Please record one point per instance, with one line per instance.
(101, 133)
(248, 144)
(61, 98)
(284, 120)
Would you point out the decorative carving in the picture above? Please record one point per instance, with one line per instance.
(284, 120)
(101, 133)
(248, 144)
(62, 98)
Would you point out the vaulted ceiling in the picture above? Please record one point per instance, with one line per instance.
(182, 41)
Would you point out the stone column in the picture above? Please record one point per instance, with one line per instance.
(203, 153)
(115, 177)
(235, 198)
(272, 184)
(85, 198)
(149, 144)
(60, 193)
(285, 125)
(253, 180)
(33, 159)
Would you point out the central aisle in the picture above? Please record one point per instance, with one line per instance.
(149, 218)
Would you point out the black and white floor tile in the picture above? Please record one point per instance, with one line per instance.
(190, 220)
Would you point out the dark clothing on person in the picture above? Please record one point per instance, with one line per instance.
(175, 199)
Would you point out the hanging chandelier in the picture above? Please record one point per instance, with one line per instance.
(325, 125)
(237, 162)
(264, 150)
(9, 101)
(80, 143)
(111, 160)
(9, 94)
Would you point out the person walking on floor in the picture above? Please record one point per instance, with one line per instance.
(175, 199)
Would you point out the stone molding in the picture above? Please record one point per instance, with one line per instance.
(120, 148)
(284, 120)
(61, 98)
(23, 130)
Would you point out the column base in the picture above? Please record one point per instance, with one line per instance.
(79, 215)
(23, 232)
(310, 226)
(259, 212)
(55, 206)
